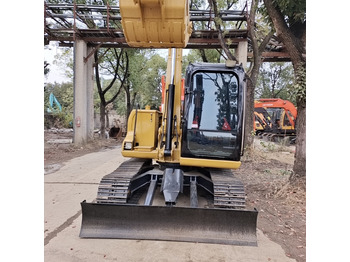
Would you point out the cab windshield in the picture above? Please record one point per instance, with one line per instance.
(212, 115)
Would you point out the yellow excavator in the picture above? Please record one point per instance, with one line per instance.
(187, 151)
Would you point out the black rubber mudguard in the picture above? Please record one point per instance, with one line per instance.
(205, 225)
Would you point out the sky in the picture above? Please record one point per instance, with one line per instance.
(56, 73)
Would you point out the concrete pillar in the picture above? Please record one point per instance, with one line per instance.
(83, 94)
(90, 95)
(242, 53)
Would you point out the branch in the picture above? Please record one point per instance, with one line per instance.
(116, 69)
(257, 49)
(217, 21)
(122, 80)
(221, 53)
(265, 41)
(293, 45)
(204, 57)
(98, 81)
(115, 96)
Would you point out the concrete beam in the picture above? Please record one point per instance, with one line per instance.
(83, 94)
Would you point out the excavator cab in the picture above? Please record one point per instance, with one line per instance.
(213, 115)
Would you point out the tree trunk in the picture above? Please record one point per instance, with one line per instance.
(214, 6)
(251, 83)
(299, 169)
(204, 57)
(103, 121)
(253, 75)
(249, 114)
(128, 104)
(107, 119)
(296, 49)
(294, 46)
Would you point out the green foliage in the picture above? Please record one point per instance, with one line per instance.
(64, 59)
(276, 80)
(108, 95)
(192, 57)
(144, 76)
(295, 10)
(151, 81)
(212, 55)
(120, 105)
(144, 81)
(197, 4)
(300, 82)
(146, 70)
(195, 55)
(268, 146)
(64, 94)
(262, 24)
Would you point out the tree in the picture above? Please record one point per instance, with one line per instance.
(259, 38)
(289, 20)
(64, 59)
(276, 81)
(116, 63)
(143, 86)
(151, 81)
(205, 55)
(220, 27)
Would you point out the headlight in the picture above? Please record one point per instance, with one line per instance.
(128, 146)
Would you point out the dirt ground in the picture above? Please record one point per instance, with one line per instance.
(58, 146)
(282, 206)
(264, 171)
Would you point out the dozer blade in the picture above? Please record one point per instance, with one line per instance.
(206, 225)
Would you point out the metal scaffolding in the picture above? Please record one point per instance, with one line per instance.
(100, 25)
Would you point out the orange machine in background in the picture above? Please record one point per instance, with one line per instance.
(274, 115)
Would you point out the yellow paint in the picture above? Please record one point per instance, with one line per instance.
(145, 138)
(140, 154)
(184, 161)
(156, 23)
